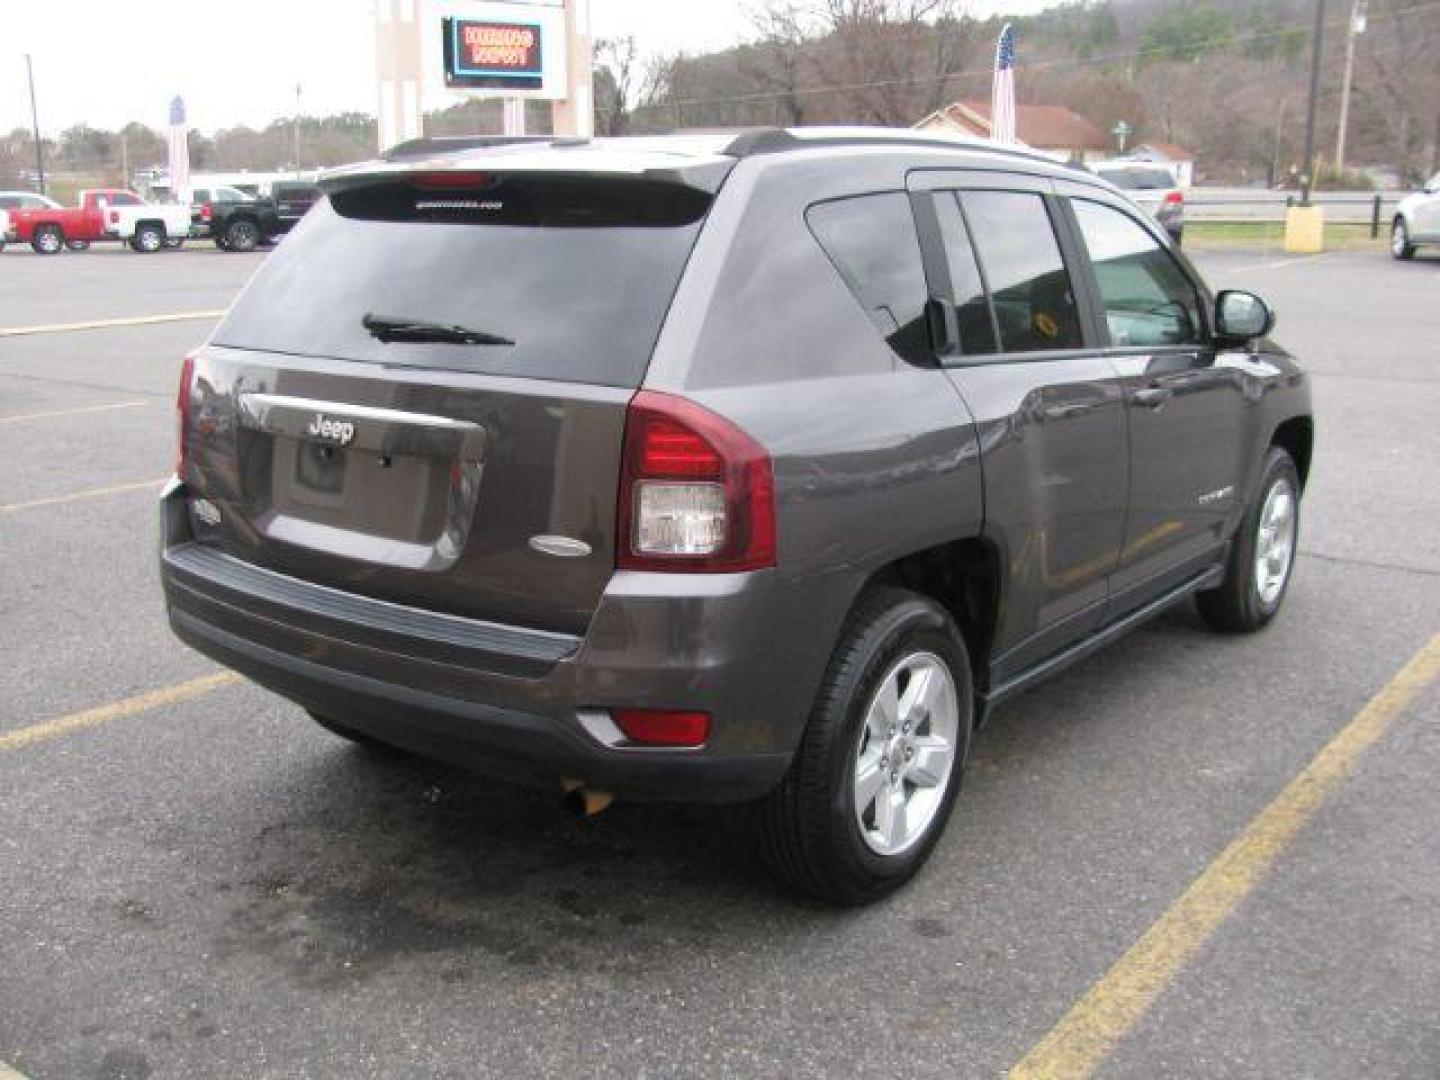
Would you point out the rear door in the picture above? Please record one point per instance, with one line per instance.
(1047, 406)
(1187, 411)
(422, 465)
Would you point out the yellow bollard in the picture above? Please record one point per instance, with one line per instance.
(1304, 229)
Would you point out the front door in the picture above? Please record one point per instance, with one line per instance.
(1049, 414)
(1186, 411)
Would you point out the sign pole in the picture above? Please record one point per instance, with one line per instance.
(513, 114)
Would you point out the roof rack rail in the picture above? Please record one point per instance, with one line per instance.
(749, 142)
(449, 144)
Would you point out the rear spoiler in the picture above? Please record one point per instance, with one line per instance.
(536, 155)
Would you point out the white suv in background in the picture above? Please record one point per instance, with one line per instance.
(1417, 220)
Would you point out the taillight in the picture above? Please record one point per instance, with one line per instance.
(663, 727)
(696, 492)
(1174, 198)
(205, 211)
(182, 409)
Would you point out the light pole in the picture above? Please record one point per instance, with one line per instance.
(1357, 27)
(1307, 177)
(35, 123)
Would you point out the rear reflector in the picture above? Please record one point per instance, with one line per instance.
(663, 727)
(1174, 198)
(182, 410)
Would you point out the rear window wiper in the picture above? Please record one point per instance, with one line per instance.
(387, 329)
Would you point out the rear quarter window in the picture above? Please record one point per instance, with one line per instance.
(871, 241)
(579, 274)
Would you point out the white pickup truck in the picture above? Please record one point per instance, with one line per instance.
(144, 226)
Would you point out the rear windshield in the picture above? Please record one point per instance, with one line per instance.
(1138, 179)
(577, 273)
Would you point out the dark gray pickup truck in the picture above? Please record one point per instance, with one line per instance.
(751, 467)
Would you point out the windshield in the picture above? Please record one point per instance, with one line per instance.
(577, 273)
(1138, 179)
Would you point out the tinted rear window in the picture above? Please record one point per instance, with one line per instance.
(871, 239)
(1138, 179)
(578, 273)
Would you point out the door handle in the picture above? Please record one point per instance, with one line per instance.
(1152, 397)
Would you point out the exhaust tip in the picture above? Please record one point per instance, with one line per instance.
(585, 802)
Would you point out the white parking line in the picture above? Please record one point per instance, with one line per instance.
(21, 417)
(104, 324)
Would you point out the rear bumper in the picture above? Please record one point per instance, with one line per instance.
(507, 701)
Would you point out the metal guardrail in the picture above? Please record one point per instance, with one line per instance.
(1228, 205)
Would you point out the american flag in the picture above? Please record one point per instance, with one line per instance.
(1002, 94)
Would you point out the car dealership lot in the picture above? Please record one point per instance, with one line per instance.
(205, 883)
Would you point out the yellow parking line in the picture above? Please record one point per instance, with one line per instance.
(116, 710)
(1087, 1034)
(105, 324)
(52, 414)
(90, 493)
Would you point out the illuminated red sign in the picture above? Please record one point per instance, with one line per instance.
(493, 54)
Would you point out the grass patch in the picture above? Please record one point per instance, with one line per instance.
(1338, 235)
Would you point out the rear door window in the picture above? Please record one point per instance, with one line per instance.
(1147, 300)
(872, 242)
(577, 273)
(972, 307)
(1029, 285)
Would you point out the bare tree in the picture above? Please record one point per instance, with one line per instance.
(626, 82)
(779, 61)
(891, 61)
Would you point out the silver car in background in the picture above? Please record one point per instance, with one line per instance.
(1417, 220)
(1152, 187)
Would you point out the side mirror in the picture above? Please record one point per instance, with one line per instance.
(1242, 316)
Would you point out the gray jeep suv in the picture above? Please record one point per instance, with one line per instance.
(733, 467)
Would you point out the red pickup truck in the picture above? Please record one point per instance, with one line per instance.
(103, 214)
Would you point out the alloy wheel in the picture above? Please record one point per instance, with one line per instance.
(906, 753)
(1275, 541)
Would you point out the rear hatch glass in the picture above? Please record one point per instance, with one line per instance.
(577, 272)
(1139, 179)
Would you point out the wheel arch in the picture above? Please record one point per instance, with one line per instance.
(1296, 436)
(965, 577)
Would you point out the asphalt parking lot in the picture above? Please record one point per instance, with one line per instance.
(200, 882)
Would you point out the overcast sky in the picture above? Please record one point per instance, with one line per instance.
(238, 61)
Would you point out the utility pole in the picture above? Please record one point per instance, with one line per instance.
(35, 123)
(1357, 27)
(1307, 177)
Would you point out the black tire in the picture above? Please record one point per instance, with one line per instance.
(1400, 246)
(1237, 605)
(48, 240)
(359, 738)
(242, 235)
(809, 833)
(77, 245)
(148, 239)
